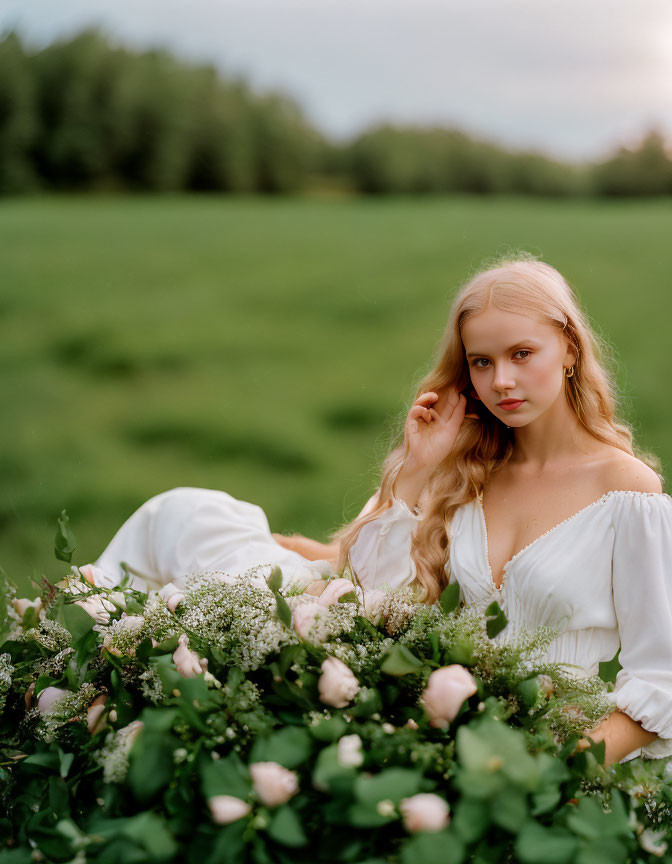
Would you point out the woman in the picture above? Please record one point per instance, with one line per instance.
(540, 504)
(535, 499)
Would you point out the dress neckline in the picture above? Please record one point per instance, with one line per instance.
(600, 500)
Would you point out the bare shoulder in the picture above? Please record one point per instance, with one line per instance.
(623, 471)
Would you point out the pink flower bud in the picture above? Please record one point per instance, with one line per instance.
(273, 784)
(337, 685)
(49, 697)
(23, 604)
(305, 615)
(334, 590)
(171, 595)
(174, 601)
(226, 809)
(424, 812)
(446, 690)
(95, 720)
(188, 663)
(373, 604)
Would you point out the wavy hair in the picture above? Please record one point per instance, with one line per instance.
(485, 444)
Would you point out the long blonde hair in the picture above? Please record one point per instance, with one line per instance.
(485, 445)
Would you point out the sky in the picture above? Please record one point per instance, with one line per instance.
(572, 78)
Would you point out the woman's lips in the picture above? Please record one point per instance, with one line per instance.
(510, 406)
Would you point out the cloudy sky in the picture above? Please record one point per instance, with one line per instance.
(574, 78)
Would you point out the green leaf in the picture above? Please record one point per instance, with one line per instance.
(151, 764)
(471, 818)
(509, 809)
(290, 746)
(368, 701)
(147, 830)
(589, 820)
(399, 660)
(495, 618)
(284, 612)
(286, 828)
(329, 775)
(491, 748)
(150, 831)
(225, 776)
(16, 856)
(528, 691)
(66, 762)
(274, 580)
(229, 847)
(433, 639)
(64, 542)
(605, 850)
(328, 728)
(450, 597)
(443, 846)
(539, 845)
(392, 783)
(7, 594)
(349, 597)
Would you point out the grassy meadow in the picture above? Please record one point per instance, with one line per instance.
(267, 347)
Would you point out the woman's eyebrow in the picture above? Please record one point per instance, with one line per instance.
(510, 348)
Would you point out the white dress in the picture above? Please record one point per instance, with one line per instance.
(189, 529)
(603, 577)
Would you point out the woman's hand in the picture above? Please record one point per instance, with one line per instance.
(310, 549)
(432, 426)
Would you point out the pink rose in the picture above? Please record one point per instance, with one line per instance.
(335, 589)
(171, 595)
(446, 690)
(273, 783)
(373, 604)
(424, 812)
(95, 576)
(337, 685)
(188, 663)
(350, 751)
(305, 615)
(98, 607)
(132, 731)
(49, 697)
(22, 605)
(227, 808)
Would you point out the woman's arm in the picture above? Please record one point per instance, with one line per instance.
(313, 550)
(621, 735)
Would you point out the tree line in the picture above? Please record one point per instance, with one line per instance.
(84, 114)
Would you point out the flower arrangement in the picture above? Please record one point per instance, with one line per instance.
(239, 719)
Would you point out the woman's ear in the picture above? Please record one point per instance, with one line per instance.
(571, 352)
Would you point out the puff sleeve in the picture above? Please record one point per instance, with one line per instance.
(642, 595)
(381, 555)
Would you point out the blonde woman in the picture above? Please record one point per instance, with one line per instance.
(515, 479)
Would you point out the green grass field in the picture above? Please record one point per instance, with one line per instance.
(266, 347)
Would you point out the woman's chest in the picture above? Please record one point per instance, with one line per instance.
(568, 566)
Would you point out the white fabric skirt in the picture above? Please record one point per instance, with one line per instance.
(189, 529)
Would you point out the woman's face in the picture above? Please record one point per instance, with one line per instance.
(512, 356)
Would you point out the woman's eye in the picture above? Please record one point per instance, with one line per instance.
(477, 361)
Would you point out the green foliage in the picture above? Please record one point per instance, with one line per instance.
(147, 784)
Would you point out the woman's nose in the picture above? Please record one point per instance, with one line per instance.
(503, 379)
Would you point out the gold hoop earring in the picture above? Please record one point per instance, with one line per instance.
(569, 371)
